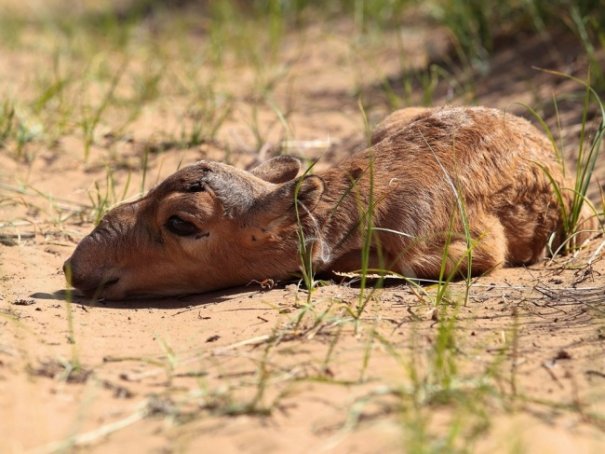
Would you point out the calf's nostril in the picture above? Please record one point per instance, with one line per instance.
(81, 276)
(110, 282)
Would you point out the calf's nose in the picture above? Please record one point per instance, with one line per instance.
(86, 279)
(75, 276)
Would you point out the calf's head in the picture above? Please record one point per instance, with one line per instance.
(207, 226)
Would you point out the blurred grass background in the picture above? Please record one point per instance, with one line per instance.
(476, 27)
(72, 66)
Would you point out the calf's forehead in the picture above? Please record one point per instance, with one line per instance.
(183, 179)
(124, 214)
(225, 181)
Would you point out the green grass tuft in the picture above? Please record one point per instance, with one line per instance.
(573, 200)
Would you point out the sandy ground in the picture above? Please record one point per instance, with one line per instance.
(258, 370)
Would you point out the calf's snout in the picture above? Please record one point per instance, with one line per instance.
(82, 274)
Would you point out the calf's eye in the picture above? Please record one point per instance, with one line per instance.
(196, 186)
(180, 227)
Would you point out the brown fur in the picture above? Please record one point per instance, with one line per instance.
(424, 168)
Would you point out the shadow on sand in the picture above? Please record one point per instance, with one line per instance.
(174, 302)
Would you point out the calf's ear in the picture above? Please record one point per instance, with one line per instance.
(283, 208)
(302, 195)
(277, 170)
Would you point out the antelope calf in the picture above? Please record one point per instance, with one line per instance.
(432, 180)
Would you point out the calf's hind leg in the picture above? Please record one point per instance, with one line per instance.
(488, 251)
